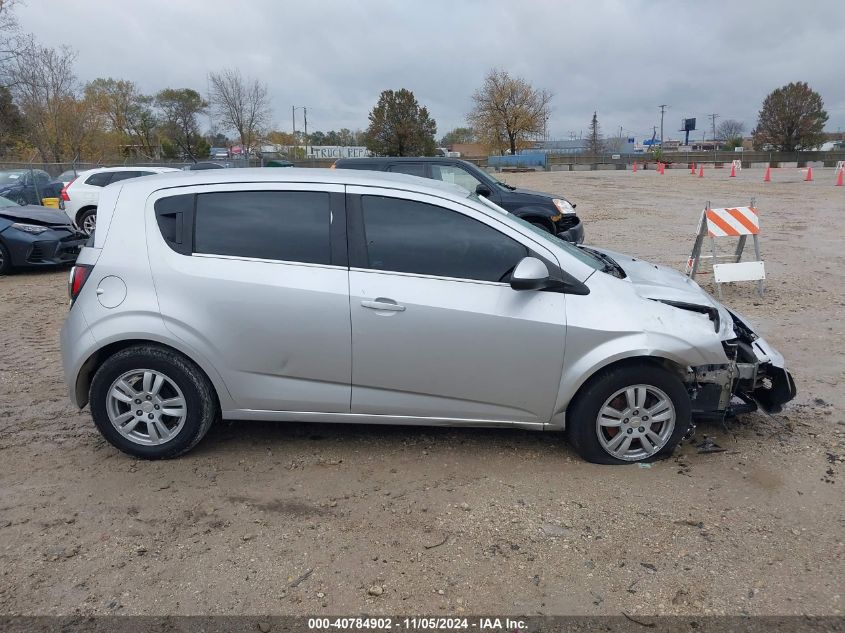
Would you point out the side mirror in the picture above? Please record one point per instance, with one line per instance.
(482, 190)
(530, 274)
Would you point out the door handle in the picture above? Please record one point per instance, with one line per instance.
(382, 303)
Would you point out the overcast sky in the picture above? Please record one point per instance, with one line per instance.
(621, 58)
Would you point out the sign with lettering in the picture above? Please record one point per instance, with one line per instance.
(336, 151)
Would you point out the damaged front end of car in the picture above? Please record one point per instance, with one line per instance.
(754, 376)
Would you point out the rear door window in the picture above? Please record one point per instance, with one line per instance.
(289, 226)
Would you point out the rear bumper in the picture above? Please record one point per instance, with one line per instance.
(570, 228)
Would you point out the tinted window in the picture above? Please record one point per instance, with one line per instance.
(100, 179)
(283, 225)
(41, 177)
(414, 237)
(412, 169)
(126, 175)
(455, 175)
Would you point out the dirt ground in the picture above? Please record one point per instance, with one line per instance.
(310, 519)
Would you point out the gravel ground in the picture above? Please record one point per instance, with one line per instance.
(309, 519)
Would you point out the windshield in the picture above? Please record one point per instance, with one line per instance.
(10, 177)
(5, 202)
(569, 247)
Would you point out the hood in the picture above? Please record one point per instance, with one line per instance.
(661, 283)
(536, 194)
(36, 215)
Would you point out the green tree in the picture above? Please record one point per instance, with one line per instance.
(179, 111)
(11, 121)
(457, 136)
(399, 126)
(595, 143)
(127, 112)
(792, 117)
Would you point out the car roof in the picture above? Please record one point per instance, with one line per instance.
(400, 159)
(155, 168)
(298, 175)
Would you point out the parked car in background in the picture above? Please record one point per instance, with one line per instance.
(554, 214)
(81, 195)
(36, 236)
(66, 177)
(27, 186)
(216, 153)
(203, 165)
(354, 296)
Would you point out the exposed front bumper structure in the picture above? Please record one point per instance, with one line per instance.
(754, 376)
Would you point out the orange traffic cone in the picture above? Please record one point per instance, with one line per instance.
(840, 178)
(768, 176)
(635, 167)
(733, 170)
(662, 168)
(809, 176)
(692, 169)
(701, 171)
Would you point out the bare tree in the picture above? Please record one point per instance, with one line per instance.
(507, 110)
(730, 129)
(13, 43)
(47, 93)
(243, 105)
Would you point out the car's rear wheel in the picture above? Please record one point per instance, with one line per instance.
(151, 402)
(88, 221)
(5, 260)
(627, 414)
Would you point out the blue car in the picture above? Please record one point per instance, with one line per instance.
(33, 236)
(28, 186)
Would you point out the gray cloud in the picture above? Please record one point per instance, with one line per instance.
(619, 57)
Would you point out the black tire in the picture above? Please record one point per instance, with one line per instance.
(84, 216)
(200, 399)
(5, 260)
(583, 412)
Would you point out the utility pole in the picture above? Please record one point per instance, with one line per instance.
(662, 107)
(305, 116)
(293, 125)
(713, 118)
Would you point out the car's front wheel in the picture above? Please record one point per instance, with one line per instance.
(630, 413)
(151, 402)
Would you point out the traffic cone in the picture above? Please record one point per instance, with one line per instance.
(662, 169)
(701, 171)
(768, 176)
(733, 170)
(809, 176)
(692, 169)
(635, 167)
(840, 178)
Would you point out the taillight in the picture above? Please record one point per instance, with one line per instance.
(78, 276)
(63, 194)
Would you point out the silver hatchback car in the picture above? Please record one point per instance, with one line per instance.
(352, 296)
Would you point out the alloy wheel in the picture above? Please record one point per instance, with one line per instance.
(89, 223)
(635, 422)
(146, 407)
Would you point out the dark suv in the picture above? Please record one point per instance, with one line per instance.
(553, 214)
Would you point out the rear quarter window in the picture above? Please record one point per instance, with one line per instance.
(100, 179)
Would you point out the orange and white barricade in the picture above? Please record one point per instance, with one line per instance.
(739, 222)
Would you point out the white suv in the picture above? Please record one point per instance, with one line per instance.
(82, 194)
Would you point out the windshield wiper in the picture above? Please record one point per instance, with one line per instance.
(609, 265)
(506, 185)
